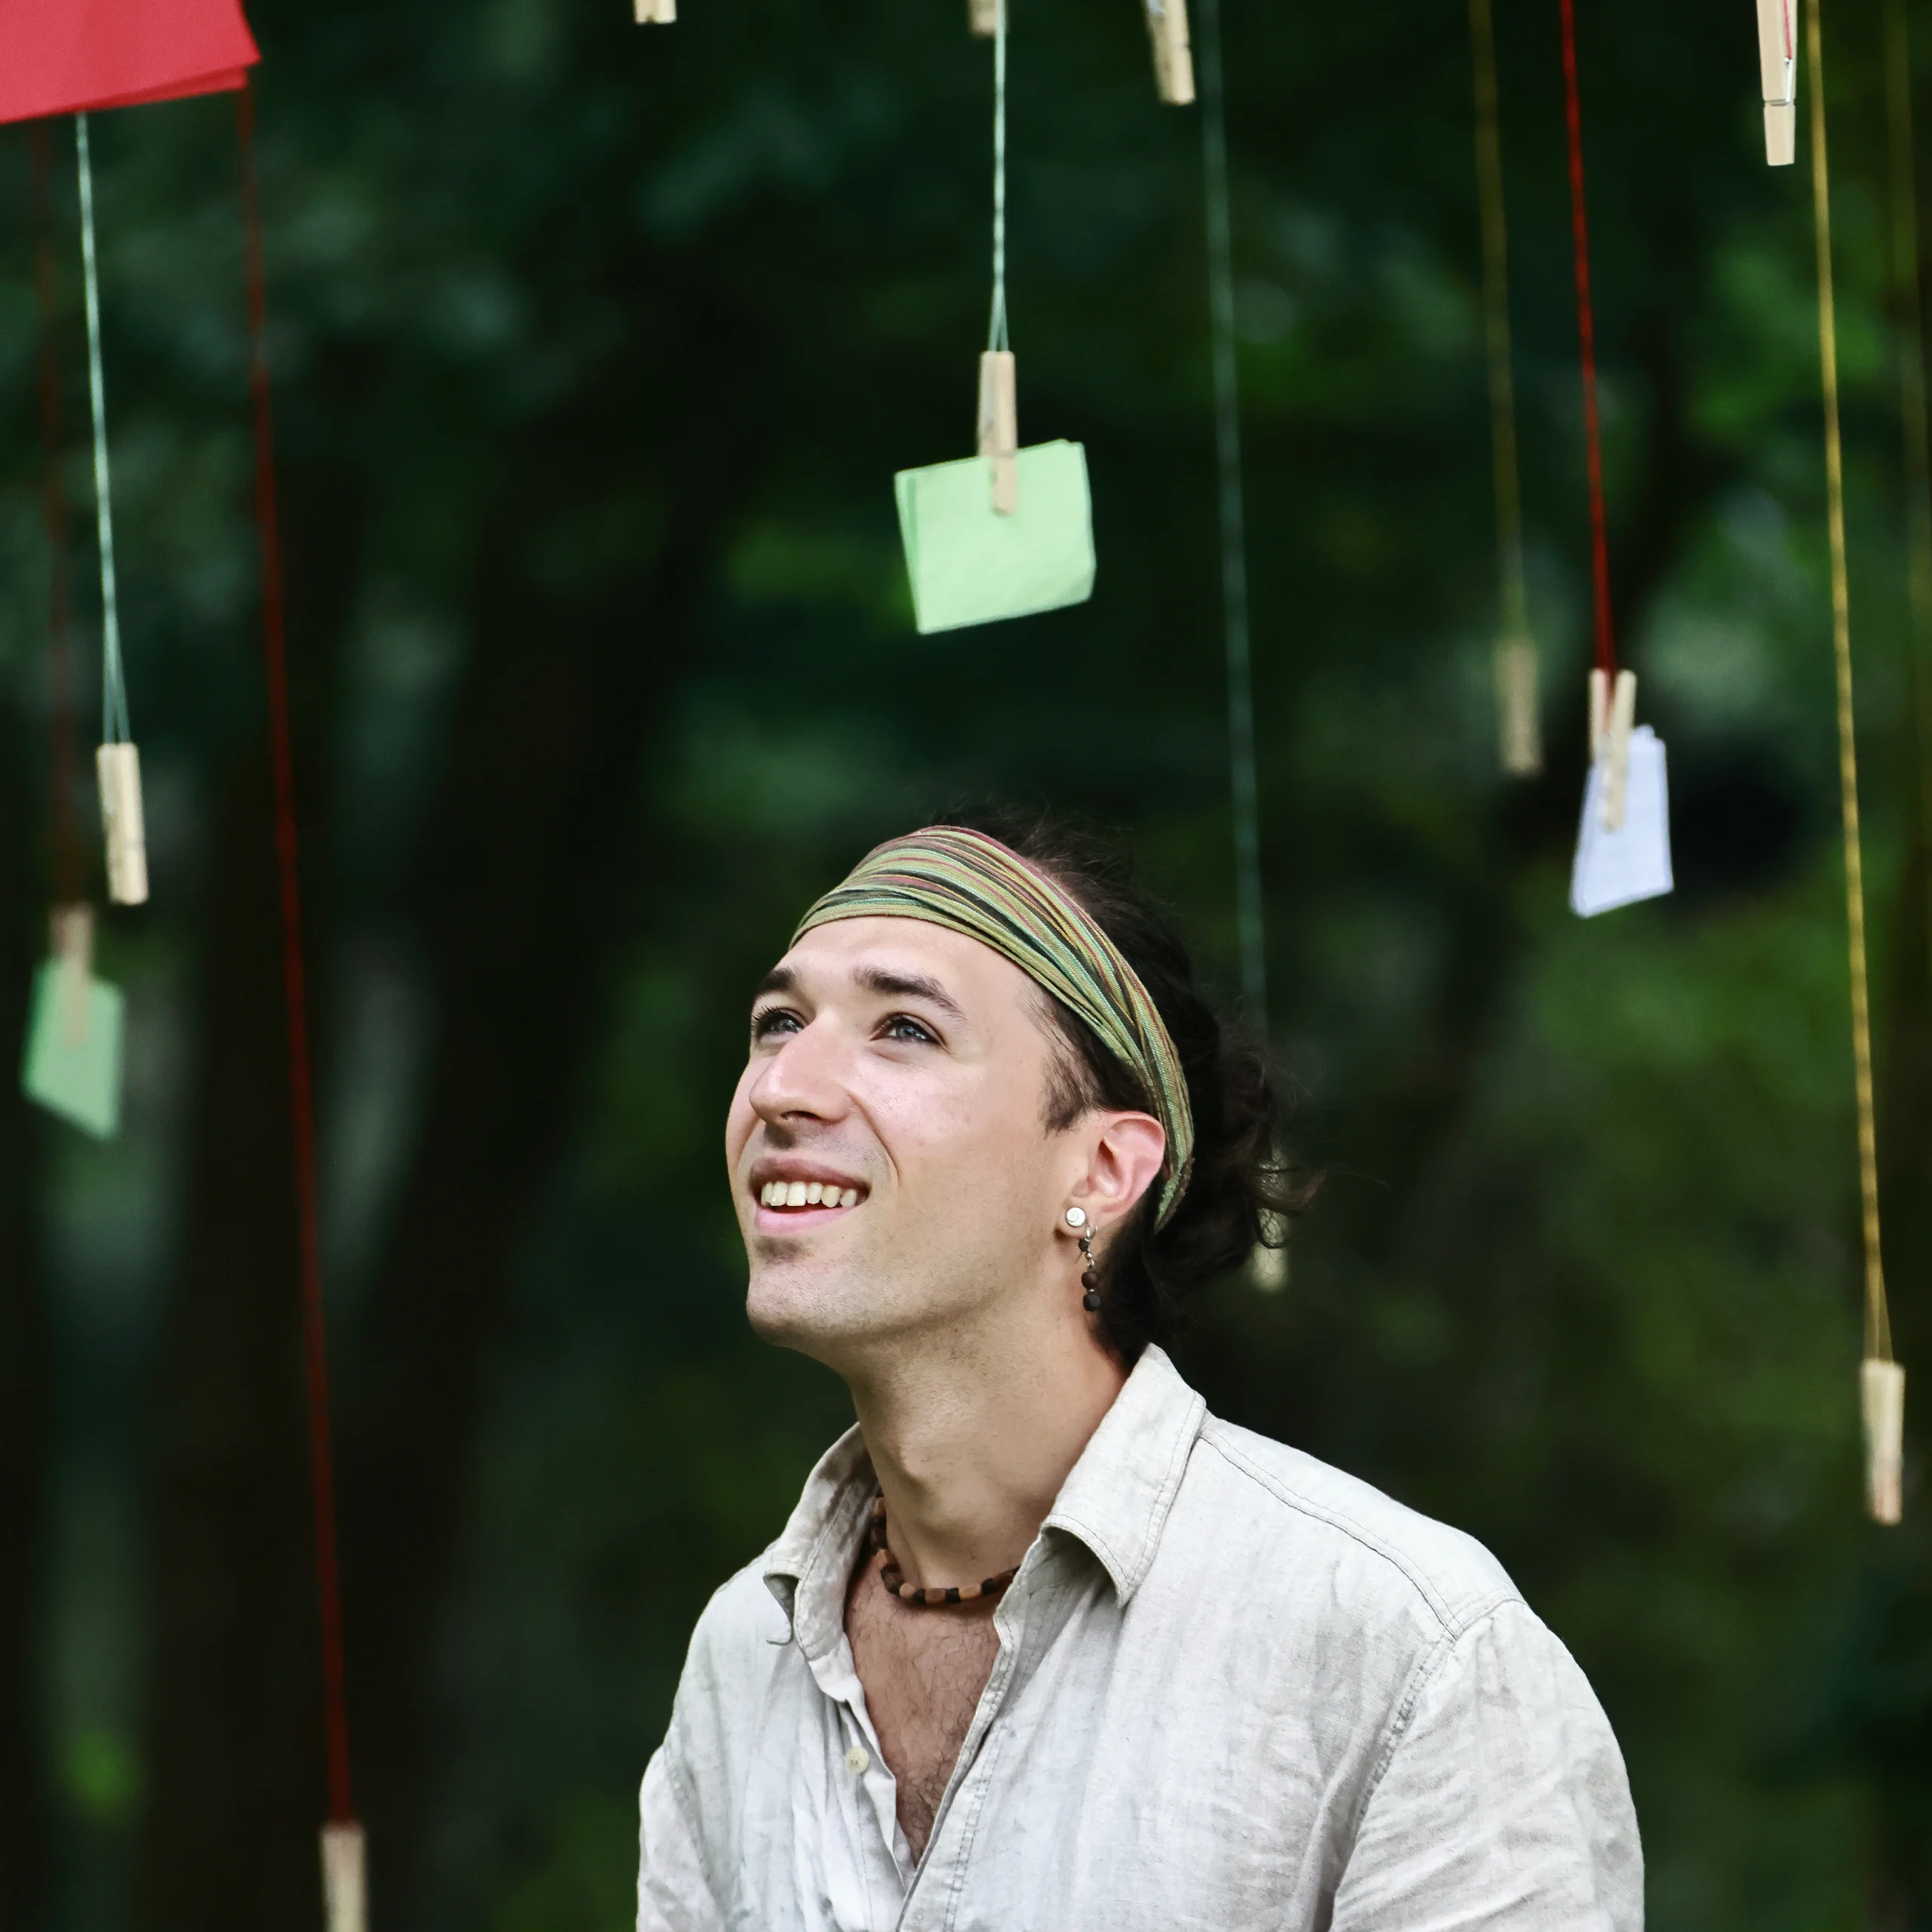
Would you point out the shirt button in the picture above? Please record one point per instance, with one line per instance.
(856, 1759)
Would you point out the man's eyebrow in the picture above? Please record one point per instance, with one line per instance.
(780, 979)
(908, 986)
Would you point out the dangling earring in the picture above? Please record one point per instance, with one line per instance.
(1076, 1219)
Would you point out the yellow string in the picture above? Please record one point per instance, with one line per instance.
(1877, 1320)
(1502, 385)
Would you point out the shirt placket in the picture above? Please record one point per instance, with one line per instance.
(882, 1853)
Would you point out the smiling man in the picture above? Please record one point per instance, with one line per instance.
(1044, 1645)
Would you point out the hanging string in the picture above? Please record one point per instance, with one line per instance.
(1877, 1316)
(53, 510)
(1522, 752)
(1911, 402)
(294, 982)
(1587, 329)
(996, 334)
(114, 726)
(1249, 929)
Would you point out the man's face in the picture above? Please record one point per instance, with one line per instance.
(897, 1079)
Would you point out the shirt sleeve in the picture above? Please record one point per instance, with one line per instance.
(1504, 1805)
(674, 1892)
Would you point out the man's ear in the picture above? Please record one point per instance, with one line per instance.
(1125, 1162)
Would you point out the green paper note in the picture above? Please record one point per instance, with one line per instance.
(970, 565)
(74, 1070)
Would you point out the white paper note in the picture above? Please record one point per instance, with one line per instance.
(1619, 868)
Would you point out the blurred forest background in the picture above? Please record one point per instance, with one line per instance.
(596, 348)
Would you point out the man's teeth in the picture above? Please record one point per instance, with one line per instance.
(806, 1194)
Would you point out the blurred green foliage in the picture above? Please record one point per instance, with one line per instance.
(602, 344)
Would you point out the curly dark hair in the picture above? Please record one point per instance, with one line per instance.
(1243, 1189)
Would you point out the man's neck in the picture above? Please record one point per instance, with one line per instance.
(972, 1444)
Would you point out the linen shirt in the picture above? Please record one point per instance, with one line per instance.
(1235, 1688)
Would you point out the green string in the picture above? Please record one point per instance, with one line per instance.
(996, 334)
(1233, 521)
(114, 725)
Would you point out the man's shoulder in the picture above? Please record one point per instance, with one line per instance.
(1289, 1510)
(743, 1631)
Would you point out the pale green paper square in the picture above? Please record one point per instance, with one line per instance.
(970, 565)
(78, 1080)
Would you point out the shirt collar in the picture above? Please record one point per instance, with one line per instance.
(1115, 1500)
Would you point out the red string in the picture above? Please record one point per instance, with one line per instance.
(301, 1111)
(1587, 329)
(53, 510)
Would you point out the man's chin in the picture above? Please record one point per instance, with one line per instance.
(823, 1313)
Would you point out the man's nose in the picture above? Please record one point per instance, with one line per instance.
(805, 1080)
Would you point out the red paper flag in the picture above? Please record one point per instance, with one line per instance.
(60, 57)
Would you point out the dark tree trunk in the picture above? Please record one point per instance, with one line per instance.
(529, 891)
(24, 1366)
(234, 1752)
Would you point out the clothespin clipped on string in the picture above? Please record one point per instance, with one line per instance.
(1612, 716)
(656, 13)
(1173, 61)
(345, 1879)
(1881, 1401)
(1518, 718)
(72, 951)
(999, 426)
(1777, 64)
(982, 17)
(118, 768)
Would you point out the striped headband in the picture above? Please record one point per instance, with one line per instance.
(972, 885)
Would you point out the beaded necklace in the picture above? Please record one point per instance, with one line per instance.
(894, 1581)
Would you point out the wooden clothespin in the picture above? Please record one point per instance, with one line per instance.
(1519, 714)
(656, 13)
(1611, 719)
(999, 426)
(117, 768)
(1881, 1402)
(1173, 61)
(345, 1880)
(1777, 65)
(71, 942)
(982, 17)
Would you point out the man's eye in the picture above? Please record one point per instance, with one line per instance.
(903, 1026)
(773, 1021)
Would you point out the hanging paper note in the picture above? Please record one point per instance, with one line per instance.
(71, 1064)
(1777, 63)
(1173, 60)
(64, 56)
(982, 18)
(1618, 867)
(971, 564)
(656, 13)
